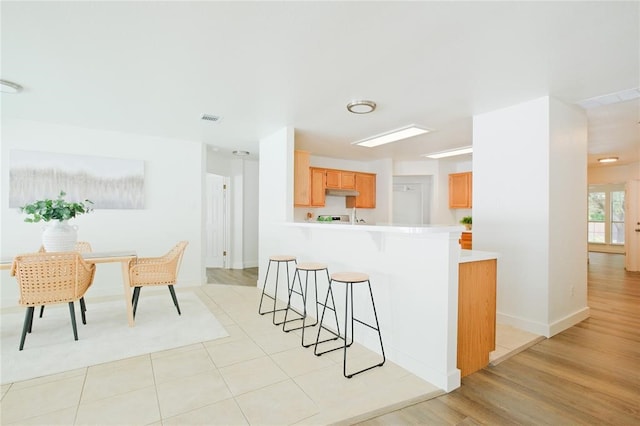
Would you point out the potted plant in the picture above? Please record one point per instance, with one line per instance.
(59, 236)
(466, 221)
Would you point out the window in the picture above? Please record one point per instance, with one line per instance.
(606, 214)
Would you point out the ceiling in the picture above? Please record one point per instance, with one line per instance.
(155, 67)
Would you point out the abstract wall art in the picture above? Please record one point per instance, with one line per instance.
(111, 183)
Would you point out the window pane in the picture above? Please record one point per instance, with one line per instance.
(617, 233)
(596, 232)
(617, 206)
(596, 206)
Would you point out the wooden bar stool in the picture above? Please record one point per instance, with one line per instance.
(350, 278)
(308, 267)
(278, 260)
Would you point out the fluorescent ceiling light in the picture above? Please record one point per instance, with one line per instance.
(392, 136)
(608, 160)
(612, 98)
(450, 153)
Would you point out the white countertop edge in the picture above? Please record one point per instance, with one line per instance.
(426, 229)
(476, 256)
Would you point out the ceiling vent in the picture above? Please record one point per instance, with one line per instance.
(211, 117)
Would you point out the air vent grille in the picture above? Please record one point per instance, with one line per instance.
(211, 117)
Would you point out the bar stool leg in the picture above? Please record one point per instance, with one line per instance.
(336, 335)
(377, 328)
(275, 296)
(302, 294)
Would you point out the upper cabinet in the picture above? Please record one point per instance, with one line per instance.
(460, 190)
(301, 179)
(340, 179)
(320, 179)
(365, 184)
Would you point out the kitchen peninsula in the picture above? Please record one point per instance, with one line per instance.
(414, 273)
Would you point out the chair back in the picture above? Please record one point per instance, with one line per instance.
(161, 270)
(47, 278)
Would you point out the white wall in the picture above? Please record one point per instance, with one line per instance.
(523, 210)
(567, 218)
(174, 181)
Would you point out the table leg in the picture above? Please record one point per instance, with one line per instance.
(127, 291)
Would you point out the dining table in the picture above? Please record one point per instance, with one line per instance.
(123, 257)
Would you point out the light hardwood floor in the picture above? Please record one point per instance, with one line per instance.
(246, 277)
(588, 374)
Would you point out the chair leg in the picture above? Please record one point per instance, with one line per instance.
(28, 317)
(83, 309)
(136, 295)
(175, 299)
(72, 312)
(41, 310)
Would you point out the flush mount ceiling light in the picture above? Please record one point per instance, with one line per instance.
(9, 87)
(450, 153)
(361, 106)
(241, 153)
(608, 160)
(392, 136)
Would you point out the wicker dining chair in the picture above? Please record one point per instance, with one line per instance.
(157, 271)
(51, 278)
(81, 247)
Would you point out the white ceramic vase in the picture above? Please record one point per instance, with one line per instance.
(59, 236)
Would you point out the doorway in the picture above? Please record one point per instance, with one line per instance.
(217, 222)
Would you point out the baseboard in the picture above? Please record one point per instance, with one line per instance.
(569, 321)
(546, 330)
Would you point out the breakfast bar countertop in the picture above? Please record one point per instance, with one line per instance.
(476, 256)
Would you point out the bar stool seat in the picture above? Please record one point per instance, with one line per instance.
(278, 259)
(308, 267)
(350, 278)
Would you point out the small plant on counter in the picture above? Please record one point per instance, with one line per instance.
(466, 221)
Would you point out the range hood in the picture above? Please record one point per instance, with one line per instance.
(342, 192)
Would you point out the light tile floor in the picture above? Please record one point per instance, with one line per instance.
(256, 375)
(510, 341)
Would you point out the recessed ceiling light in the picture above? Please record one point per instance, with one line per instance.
(608, 160)
(9, 87)
(450, 153)
(361, 106)
(241, 153)
(392, 136)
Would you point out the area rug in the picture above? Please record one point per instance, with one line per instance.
(50, 347)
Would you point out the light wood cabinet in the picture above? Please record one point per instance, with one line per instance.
(466, 241)
(318, 179)
(460, 190)
(365, 184)
(340, 179)
(301, 179)
(476, 314)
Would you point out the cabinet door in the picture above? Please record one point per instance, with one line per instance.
(317, 187)
(301, 179)
(347, 180)
(366, 186)
(460, 193)
(333, 179)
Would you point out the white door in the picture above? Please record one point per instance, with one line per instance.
(217, 222)
(632, 225)
(407, 204)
